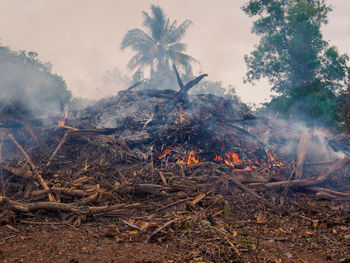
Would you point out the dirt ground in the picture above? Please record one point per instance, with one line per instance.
(307, 231)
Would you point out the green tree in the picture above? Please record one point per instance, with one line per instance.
(159, 46)
(344, 107)
(304, 71)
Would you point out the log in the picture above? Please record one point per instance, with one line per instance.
(80, 210)
(309, 181)
(333, 169)
(19, 172)
(301, 153)
(329, 191)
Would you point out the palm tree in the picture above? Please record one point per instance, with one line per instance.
(159, 46)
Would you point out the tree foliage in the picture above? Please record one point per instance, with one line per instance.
(158, 47)
(305, 72)
(344, 107)
(24, 78)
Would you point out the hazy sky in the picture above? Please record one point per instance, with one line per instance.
(81, 38)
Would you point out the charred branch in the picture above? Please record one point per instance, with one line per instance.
(182, 94)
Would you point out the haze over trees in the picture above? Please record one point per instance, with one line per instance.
(25, 79)
(306, 73)
(309, 76)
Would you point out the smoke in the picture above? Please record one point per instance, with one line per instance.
(112, 82)
(283, 137)
(26, 81)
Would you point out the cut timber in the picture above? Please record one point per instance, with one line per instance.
(301, 153)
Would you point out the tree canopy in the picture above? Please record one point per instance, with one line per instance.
(158, 47)
(305, 72)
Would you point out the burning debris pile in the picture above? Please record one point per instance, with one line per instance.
(145, 152)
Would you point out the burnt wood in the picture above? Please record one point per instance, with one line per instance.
(181, 96)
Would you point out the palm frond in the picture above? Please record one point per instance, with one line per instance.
(139, 61)
(182, 60)
(179, 32)
(179, 47)
(138, 40)
(156, 22)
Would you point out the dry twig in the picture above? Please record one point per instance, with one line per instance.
(59, 146)
(160, 229)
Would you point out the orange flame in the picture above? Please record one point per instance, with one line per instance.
(181, 116)
(273, 160)
(165, 153)
(251, 164)
(190, 159)
(218, 158)
(62, 122)
(230, 159)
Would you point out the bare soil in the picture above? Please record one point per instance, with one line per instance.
(307, 230)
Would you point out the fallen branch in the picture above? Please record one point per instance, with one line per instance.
(160, 229)
(77, 192)
(309, 181)
(197, 199)
(59, 146)
(18, 172)
(132, 225)
(174, 203)
(141, 188)
(37, 176)
(247, 190)
(80, 210)
(329, 191)
(20, 148)
(182, 94)
(333, 169)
